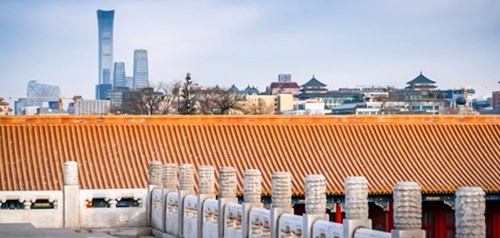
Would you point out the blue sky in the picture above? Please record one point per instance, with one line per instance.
(343, 43)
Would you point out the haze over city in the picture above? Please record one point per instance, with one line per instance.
(343, 43)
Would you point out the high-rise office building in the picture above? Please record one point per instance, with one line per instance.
(141, 69)
(119, 77)
(105, 27)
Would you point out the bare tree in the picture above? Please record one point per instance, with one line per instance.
(258, 108)
(218, 101)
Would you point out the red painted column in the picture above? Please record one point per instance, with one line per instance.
(440, 222)
(389, 222)
(338, 212)
(495, 223)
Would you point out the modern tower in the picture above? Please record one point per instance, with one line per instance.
(105, 25)
(119, 78)
(141, 69)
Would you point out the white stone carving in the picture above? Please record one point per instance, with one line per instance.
(186, 177)
(407, 206)
(170, 176)
(155, 173)
(252, 186)
(70, 173)
(206, 179)
(281, 190)
(315, 186)
(227, 182)
(356, 198)
(469, 212)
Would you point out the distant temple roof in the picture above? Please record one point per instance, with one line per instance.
(313, 83)
(251, 90)
(234, 89)
(441, 153)
(421, 79)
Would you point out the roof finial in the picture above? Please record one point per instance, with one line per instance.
(420, 72)
(313, 75)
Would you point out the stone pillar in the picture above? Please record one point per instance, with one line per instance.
(170, 177)
(71, 195)
(186, 187)
(206, 183)
(281, 186)
(356, 205)
(159, 206)
(407, 208)
(227, 193)
(252, 192)
(469, 212)
(154, 182)
(315, 192)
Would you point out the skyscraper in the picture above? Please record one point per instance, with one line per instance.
(119, 78)
(141, 68)
(105, 27)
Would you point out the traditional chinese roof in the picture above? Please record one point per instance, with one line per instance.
(234, 89)
(313, 83)
(250, 90)
(420, 79)
(441, 153)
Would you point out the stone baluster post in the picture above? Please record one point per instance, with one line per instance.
(281, 186)
(469, 212)
(169, 181)
(71, 195)
(186, 187)
(227, 193)
(407, 206)
(252, 192)
(154, 182)
(356, 205)
(170, 177)
(315, 192)
(206, 186)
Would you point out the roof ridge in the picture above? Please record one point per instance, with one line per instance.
(251, 119)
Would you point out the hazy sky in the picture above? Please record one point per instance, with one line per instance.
(343, 43)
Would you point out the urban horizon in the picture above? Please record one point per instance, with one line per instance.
(334, 76)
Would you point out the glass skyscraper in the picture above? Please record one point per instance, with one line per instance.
(105, 26)
(141, 69)
(119, 78)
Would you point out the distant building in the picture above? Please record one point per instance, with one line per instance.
(141, 72)
(19, 106)
(495, 103)
(101, 90)
(421, 83)
(313, 86)
(234, 89)
(117, 96)
(105, 45)
(283, 78)
(250, 90)
(5, 108)
(422, 96)
(91, 107)
(38, 93)
(119, 77)
(130, 81)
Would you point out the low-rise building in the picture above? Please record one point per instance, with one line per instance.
(91, 107)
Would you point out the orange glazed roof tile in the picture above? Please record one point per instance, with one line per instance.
(441, 153)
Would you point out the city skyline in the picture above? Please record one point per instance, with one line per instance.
(344, 44)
